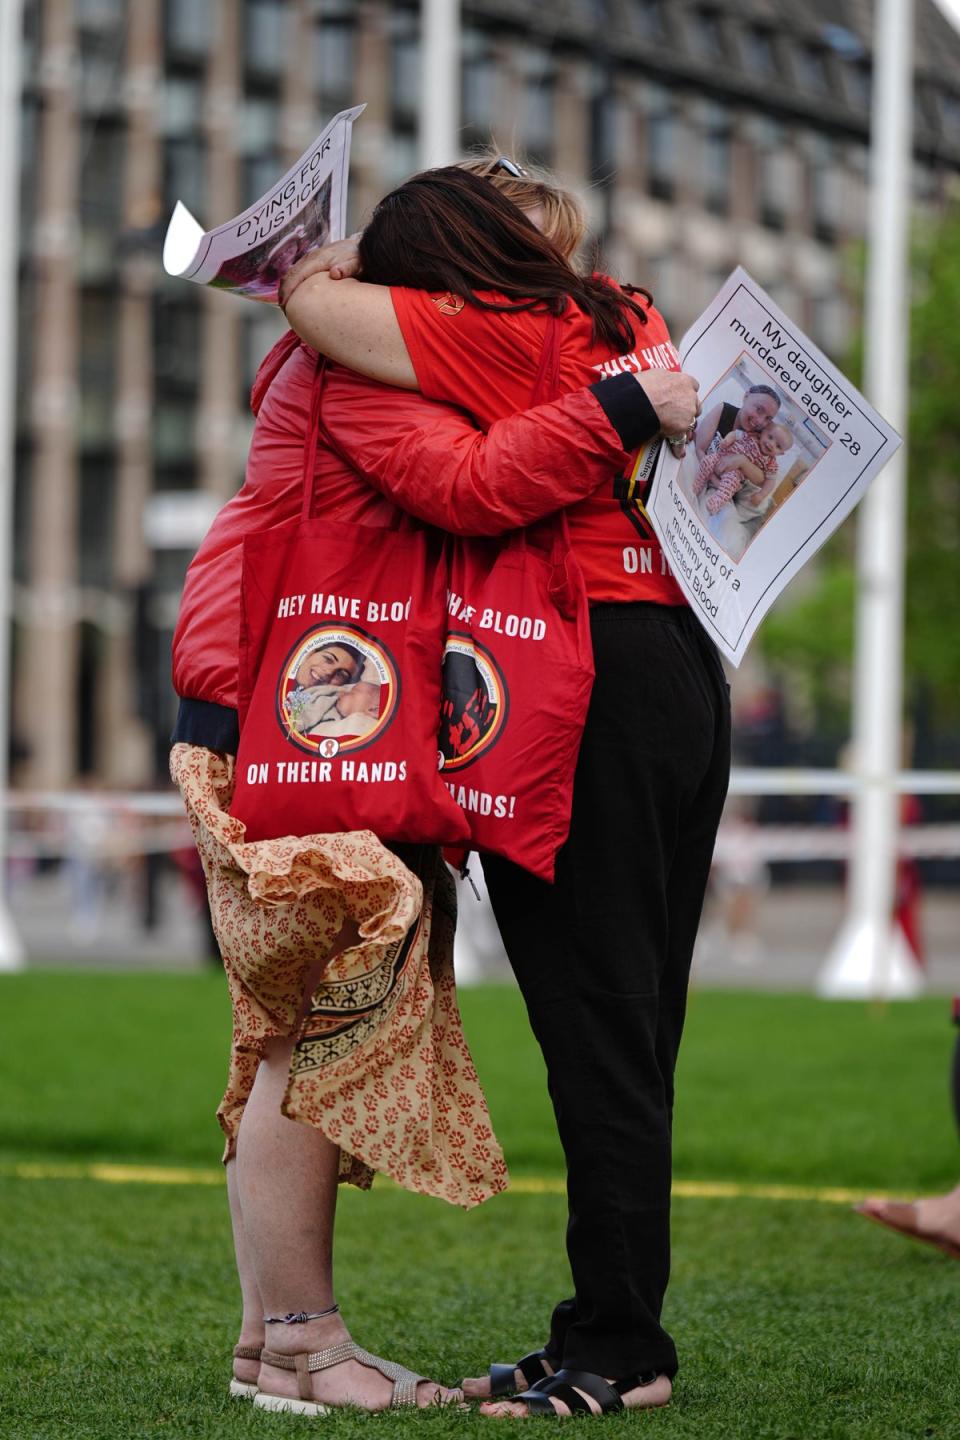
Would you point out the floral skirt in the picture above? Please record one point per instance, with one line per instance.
(380, 1064)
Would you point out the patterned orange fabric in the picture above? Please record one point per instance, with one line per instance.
(381, 1064)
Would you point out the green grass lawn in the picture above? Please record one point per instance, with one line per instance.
(793, 1318)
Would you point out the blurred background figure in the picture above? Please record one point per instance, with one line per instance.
(738, 881)
(87, 833)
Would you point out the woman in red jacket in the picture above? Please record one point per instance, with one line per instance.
(283, 910)
(460, 297)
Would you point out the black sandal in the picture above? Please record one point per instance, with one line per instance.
(503, 1378)
(538, 1399)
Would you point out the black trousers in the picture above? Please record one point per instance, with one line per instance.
(603, 958)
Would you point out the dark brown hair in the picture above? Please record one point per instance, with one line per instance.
(448, 230)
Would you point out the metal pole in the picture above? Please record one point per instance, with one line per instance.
(440, 105)
(11, 47)
(867, 959)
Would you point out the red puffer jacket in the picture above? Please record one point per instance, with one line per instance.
(387, 447)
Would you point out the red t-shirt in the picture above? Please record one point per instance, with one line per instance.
(485, 361)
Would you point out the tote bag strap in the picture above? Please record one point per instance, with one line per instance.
(566, 581)
(405, 524)
(546, 384)
(311, 438)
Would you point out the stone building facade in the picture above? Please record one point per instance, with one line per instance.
(705, 133)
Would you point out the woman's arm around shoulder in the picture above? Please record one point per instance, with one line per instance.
(353, 323)
(428, 458)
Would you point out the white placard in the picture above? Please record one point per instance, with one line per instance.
(785, 447)
(250, 254)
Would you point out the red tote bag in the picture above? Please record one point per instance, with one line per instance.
(517, 677)
(342, 635)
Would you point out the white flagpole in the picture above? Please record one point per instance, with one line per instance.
(870, 956)
(440, 103)
(11, 46)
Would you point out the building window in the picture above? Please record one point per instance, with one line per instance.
(261, 330)
(26, 301)
(663, 141)
(176, 378)
(924, 186)
(665, 277)
(185, 173)
(100, 62)
(95, 528)
(180, 106)
(948, 105)
(826, 189)
(401, 158)
(776, 173)
(30, 51)
(334, 61)
(100, 195)
(715, 155)
(98, 314)
(537, 97)
(831, 324)
(858, 78)
(176, 339)
(259, 133)
(173, 440)
(29, 143)
(265, 28)
(406, 81)
(759, 52)
(189, 30)
(811, 69)
(99, 14)
(646, 18)
(706, 33)
(479, 87)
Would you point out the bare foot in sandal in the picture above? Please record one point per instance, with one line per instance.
(502, 1380)
(571, 1392)
(310, 1373)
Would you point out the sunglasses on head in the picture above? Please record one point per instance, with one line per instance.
(510, 166)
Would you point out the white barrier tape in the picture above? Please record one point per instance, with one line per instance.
(743, 781)
(755, 781)
(737, 842)
(763, 843)
(736, 846)
(76, 802)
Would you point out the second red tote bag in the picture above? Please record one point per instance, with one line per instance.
(517, 677)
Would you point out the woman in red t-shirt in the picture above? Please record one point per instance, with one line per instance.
(463, 287)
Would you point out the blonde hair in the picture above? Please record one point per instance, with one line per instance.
(564, 215)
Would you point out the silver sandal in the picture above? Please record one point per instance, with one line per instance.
(243, 1389)
(306, 1363)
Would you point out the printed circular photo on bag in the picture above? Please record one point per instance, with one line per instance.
(338, 691)
(474, 707)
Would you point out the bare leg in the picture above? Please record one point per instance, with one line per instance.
(251, 1324)
(287, 1182)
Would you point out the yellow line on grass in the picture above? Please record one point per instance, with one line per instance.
(523, 1184)
(115, 1174)
(714, 1190)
